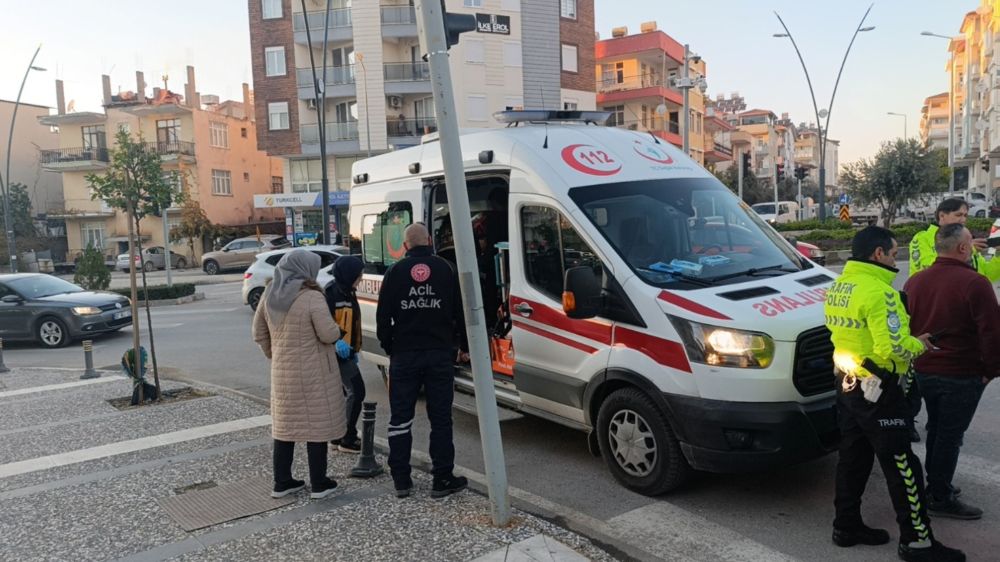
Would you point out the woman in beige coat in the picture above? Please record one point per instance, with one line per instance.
(294, 328)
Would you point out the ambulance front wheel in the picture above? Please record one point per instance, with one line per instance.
(639, 445)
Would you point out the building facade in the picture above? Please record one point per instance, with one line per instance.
(934, 121)
(31, 137)
(807, 155)
(378, 87)
(636, 81)
(211, 146)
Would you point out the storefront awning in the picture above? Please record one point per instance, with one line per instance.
(298, 200)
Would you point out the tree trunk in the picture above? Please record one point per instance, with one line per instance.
(137, 357)
(149, 316)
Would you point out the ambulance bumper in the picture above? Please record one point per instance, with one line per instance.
(729, 437)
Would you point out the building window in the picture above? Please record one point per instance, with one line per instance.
(277, 184)
(243, 132)
(222, 182)
(569, 59)
(551, 246)
(570, 105)
(92, 234)
(277, 116)
(477, 108)
(473, 3)
(475, 51)
(512, 53)
(271, 9)
(94, 137)
(218, 134)
(246, 177)
(382, 236)
(567, 9)
(617, 118)
(274, 61)
(168, 131)
(510, 5)
(307, 175)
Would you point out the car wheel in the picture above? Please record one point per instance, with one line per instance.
(253, 299)
(980, 214)
(148, 266)
(181, 263)
(638, 444)
(51, 332)
(212, 267)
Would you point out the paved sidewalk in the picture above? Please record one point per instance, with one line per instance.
(82, 480)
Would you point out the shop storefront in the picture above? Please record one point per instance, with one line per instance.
(304, 214)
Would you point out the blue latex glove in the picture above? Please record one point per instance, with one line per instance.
(343, 350)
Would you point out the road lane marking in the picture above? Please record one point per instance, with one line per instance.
(200, 311)
(60, 386)
(130, 446)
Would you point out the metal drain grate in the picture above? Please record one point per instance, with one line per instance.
(198, 509)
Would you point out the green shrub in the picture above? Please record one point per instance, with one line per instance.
(161, 292)
(839, 234)
(814, 224)
(979, 225)
(91, 272)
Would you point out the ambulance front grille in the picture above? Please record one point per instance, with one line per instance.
(813, 372)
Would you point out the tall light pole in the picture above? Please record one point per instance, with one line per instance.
(319, 89)
(364, 78)
(823, 128)
(951, 112)
(5, 188)
(903, 115)
(685, 83)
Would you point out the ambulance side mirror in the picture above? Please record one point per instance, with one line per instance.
(581, 293)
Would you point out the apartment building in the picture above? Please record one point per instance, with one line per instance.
(761, 125)
(719, 141)
(534, 53)
(934, 121)
(30, 137)
(636, 77)
(212, 147)
(807, 155)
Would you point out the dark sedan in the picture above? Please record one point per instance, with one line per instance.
(53, 312)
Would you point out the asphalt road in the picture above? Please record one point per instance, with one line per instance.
(764, 516)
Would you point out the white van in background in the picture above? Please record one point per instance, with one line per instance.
(788, 211)
(627, 292)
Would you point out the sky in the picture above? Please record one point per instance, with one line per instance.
(892, 68)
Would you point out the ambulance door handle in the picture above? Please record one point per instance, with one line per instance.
(524, 309)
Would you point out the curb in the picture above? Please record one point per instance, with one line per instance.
(173, 302)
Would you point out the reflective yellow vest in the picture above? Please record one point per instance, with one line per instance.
(923, 254)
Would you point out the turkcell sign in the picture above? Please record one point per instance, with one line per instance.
(492, 23)
(271, 201)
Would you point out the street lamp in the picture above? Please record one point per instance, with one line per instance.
(951, 113)
(685, 83)
(903, 115)
(822, 129)
(319, 89)
(5, 188)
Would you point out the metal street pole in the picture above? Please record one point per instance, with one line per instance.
(8, 222)
(368, 123)
(319, 90)
(951, 112)
(686, 87)
(166, 248)
(823, 129)
(430, 26)
(739, 163)
(903, 115)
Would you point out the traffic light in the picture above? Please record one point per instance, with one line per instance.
(781, 172)
(746, 163)
(456, 24)
(801, 173)
(985, 164)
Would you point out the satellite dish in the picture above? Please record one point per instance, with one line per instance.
(661, 109)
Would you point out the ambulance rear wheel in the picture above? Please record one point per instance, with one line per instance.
(639, 445)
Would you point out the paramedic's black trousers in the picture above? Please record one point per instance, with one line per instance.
(880, 430)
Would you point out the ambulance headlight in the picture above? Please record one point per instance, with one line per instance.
(724, 347)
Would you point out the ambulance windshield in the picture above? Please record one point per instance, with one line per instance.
(686, 233)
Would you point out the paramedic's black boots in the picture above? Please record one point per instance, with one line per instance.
(937, 552)
(864, 535)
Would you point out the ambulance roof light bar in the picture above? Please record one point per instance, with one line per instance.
(515, 117)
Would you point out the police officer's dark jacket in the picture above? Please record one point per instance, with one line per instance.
(419, 304)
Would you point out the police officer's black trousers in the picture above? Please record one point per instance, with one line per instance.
(880, 430)
(434, 370)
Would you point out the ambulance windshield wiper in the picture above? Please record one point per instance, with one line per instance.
(756, 271)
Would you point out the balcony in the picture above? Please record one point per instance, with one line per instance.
(80, 208)
(75, 159)
(339, 82)
(407, 132)
(403, 78)
(339, 25)
(399, 21)
(172, 151)
(611, 90)
(718, 152)
(341, 138)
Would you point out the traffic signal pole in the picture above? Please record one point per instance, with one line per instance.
(435, 40)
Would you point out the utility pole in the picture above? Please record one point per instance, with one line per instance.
(319, 89)
(136, 355)
(740, 165)
(166, 248)
(686, 86)
(434, 39)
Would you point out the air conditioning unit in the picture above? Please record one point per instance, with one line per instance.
(311, 104)
(395, 101)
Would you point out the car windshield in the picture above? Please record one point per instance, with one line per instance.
(764, 208)
(686, 233)
(38, 286)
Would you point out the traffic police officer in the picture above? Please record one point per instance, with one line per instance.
(923, 254)
(419, 325)
(872, 352)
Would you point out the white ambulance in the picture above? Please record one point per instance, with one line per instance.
(627, 291)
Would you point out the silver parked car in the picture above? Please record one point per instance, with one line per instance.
(152, 258)
(262, 270)
(53, 312)
(240, 253)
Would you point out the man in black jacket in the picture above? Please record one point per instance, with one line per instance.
(419, 325)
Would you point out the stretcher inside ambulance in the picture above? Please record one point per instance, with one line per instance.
(627, 292)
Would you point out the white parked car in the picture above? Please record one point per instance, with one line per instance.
(152, 258)
(262, 270)
(787, 211)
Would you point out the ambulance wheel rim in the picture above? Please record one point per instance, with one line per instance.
(632, 443)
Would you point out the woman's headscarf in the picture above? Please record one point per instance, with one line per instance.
(346, 271)
(294, 269)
